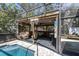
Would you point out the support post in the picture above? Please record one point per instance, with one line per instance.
(17, 31)
(33, 22)
(58, 34)
(33, 30)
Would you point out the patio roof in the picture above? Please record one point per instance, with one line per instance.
(24, 21)
(45, 19)
(48, 15)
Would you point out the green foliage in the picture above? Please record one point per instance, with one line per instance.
(8, 15)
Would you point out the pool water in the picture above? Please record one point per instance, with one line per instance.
(15, 50)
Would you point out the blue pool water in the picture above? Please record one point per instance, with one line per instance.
(15, 50)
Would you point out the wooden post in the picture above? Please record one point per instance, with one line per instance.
(17, 31)
(58, 34)
(46, 28)
(33, 30)
(58, 40)
(29, 30)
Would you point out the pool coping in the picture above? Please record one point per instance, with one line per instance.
(40, 51)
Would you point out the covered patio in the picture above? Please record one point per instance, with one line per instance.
(43, 30)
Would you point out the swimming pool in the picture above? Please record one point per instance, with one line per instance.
(15, 50)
